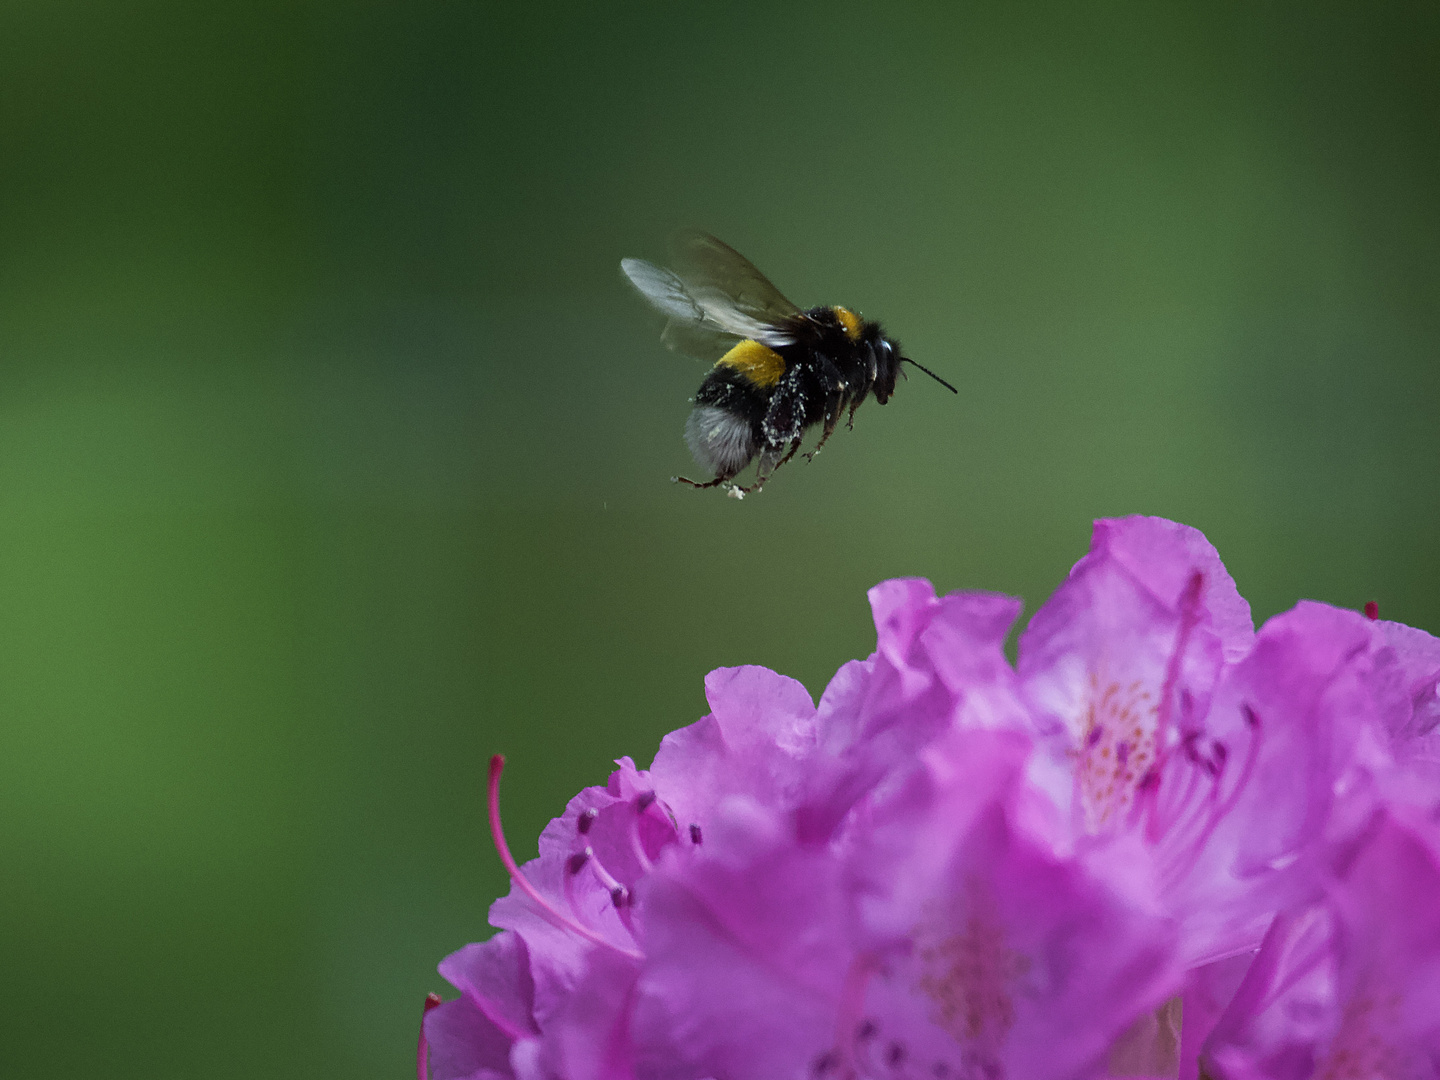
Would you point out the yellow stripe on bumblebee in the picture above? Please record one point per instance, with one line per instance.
(850, 321)
(759, 363)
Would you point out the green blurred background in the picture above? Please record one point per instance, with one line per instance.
(334, 449)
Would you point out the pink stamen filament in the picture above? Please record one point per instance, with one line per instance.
(422, 1050)
(619, 894)
(1187, 832)
(1184, 818)
(1167, 807)
(1183, 852)
(547, 910)
(852, 1006)
(1189, 603)
(1252, 754)
(1147, 802)
(635, 843)
(609, 880)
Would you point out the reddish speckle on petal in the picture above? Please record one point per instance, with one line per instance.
(1119, 732)
(968, 974)
(1356, 1052)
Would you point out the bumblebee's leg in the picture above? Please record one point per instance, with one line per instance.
(697, 484)
(833, 406)
(834, 402)
(761, 477)
(871, 371)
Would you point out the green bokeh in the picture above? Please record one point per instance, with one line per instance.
(333, 448)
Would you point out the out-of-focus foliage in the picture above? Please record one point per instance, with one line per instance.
(333, 448)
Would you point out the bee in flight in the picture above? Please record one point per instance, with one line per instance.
(778, 370)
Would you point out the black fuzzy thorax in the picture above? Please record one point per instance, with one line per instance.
(868, 363)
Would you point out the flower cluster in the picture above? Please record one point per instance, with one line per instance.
(1160, 844)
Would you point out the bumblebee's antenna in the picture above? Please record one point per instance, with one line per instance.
(927, 371)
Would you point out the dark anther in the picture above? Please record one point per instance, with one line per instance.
(1187, 743)
(894, 1055)
(575, 863)
(620, 896)
(1372, 610)
(432, 1000)
(586, 819)
(1211, 757)
(695, 834)
(643, 802)
(1193, 588)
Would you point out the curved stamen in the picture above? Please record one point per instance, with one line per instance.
(422, 1050)
(636, 844)
(1189, 616)
(620, 896)
(1148, 807)
(1187, 835)
(1252, 754)
(618, 892)
(547, 910)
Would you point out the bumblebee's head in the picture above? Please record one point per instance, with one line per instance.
(887, 364)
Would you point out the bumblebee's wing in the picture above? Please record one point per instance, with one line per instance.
(732, 293)
(689, 329)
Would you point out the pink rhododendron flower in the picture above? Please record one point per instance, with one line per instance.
(1351, 986)
(1160, 844)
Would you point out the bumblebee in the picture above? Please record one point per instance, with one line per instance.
(778, 370)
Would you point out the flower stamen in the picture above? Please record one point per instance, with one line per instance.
(642, 804)
(422, 1050)
(547, 910)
